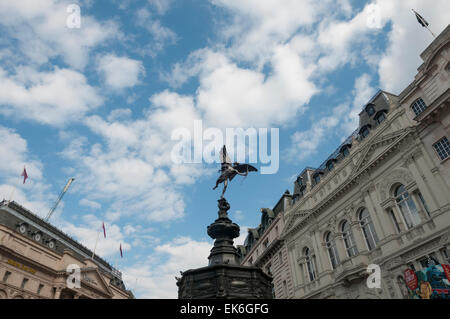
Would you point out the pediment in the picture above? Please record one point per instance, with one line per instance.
(290, 222)
(93, 279)
(378, 146)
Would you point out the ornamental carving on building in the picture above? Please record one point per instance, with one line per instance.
(398, 175)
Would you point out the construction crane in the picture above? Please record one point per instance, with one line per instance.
(50, 213)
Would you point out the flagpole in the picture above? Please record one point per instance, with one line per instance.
(12, 193)
(95, 247)
(434, 35)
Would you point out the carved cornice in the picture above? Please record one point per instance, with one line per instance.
(353, 180)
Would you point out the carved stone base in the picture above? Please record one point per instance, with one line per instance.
(225, 282)
(224, 278)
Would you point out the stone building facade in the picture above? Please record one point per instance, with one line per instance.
(383, 197)
(264, 248)
(34, 260)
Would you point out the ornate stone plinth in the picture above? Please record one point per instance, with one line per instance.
(224, 277)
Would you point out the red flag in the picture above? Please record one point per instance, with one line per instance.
(24, 174)
(121, 255)
(104, 230)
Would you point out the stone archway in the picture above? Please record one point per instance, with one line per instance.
(398, 175)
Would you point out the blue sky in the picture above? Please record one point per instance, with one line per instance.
(99, 104)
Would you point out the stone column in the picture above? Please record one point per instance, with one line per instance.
(57, 293)
(377, 219)
(321, 253)
(433, 177)
(340, 247)
(422, 183)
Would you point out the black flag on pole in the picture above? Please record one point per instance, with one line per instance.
(421, 20)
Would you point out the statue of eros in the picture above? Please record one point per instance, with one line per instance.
(229, 171)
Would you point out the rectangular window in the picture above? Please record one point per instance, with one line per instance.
(6, 276)
(280, 257)
(442, 148)
(285, 289)
(40, 288)
(419, 106)
(24, 282)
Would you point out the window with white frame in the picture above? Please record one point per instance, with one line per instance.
(368, 229)
(310, 265)
(418, 106)
(349, 240)
(442, 148)
(407, 207)
(332, 251)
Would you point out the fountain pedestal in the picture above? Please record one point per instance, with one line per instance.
(224, 277)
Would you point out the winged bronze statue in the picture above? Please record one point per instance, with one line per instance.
(229, 171)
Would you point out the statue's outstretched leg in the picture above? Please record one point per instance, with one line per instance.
(225, 184)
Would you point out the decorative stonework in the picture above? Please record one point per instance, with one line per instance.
(398, 175)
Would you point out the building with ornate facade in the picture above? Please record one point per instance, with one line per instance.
(264, 248)
(381, 198)
(34, 260)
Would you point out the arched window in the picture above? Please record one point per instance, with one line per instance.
(345, 151)
(310, 264)
(380, 117)
(407, 207)
(349, 240)
(330, 165)
(332, 251)
(368, 230)
(370, 109)
(364, 132)
(418, 106)
(316, 178)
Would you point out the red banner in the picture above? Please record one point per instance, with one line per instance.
(446, 270)
(411, 279)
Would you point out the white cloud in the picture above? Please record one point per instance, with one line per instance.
(52, 98)
(120, 72)
(89, 232)
(42, 34)
(89, 203)
(134, 170)
(34, 193)
(161, 6)
(161, 35)
(155, 278)
(407, 39)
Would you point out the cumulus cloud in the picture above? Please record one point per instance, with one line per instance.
(120, 72)
(42, 34)
(342, 121)
(134, 168)
(15, 156)
(161, 35)
(155, 278)
(53, 98)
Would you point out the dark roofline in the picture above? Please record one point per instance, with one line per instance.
(26, 213)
